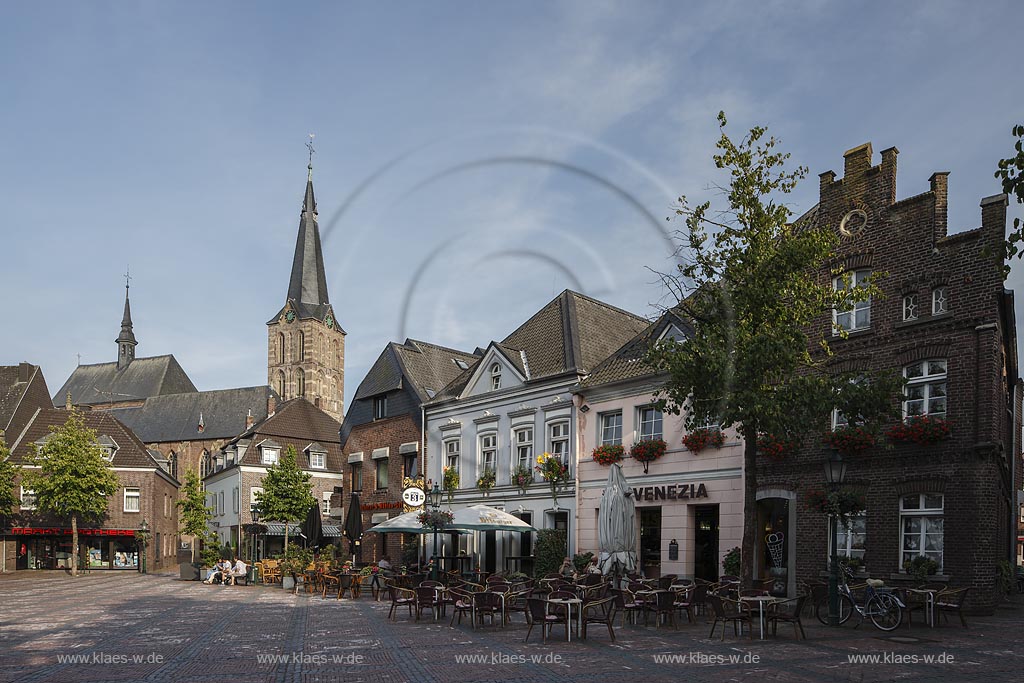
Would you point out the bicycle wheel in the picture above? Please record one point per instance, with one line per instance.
(885, 612)
(845, 610)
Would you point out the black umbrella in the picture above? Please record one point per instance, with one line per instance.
(312, 527)
(353, 528)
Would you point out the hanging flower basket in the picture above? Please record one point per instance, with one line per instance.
(699, 439)
(647, 451)
(850, 439)
(608, 454)
(435, 519)
(486, 481)
(522, 477)
(842, 503)
(776, 447)
(923, 429)
(551, 468)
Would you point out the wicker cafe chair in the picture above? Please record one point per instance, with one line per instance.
(788, 612)
(426, 598)
(328, 581)
(684, 601)
(726, 611)
(400, 597)
(515, 601)
(626, 603)
(537, 614)
(561, 610)
(600, 612)
(486, 604)
(347, 583)
(951, 601)
(462, 603)
(663, 604)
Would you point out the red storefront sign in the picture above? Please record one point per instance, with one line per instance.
(25, 531)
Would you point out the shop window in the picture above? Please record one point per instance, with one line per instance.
(611, 428)
(925, 393)
(921, 521)
(858, 315)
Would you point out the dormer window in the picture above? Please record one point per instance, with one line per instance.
(496, 376)
(108, 453)
(270, 455)
(108, 446)
(461, 364)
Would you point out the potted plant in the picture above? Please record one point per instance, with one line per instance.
(522, 477)
(922, 429)
(553, 471)
(608, 453)
(485, 482)
(701, 438)
(294, 564)
(647, 451)
(850, 439)
(921, 567)
(731, 562)
(450, 482)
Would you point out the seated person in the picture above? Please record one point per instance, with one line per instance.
(239, 570)
(567, 570)
(219, 571)
(385, 566)
(593, 567)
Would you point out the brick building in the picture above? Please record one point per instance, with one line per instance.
(382, 432)
(947, 324)
(145, 492)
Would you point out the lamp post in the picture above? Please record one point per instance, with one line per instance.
(254, 512)
(144, 528)
(835, 474)
(435, 505)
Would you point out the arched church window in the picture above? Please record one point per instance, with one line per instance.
(280, 347)
(301, 350)
(300, 382)
(280, 383)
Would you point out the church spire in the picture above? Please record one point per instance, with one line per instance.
(308, 283)
(126, 341)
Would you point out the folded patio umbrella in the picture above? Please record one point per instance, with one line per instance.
(312, 527)
(353, 528)
(616, 525)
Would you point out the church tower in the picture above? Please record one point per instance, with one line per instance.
(305, 344)
(126, 341)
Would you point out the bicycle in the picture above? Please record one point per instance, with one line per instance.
(883, 608)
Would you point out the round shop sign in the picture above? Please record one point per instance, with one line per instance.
(414, 496)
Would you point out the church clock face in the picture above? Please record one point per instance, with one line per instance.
(290, 316)
(329, 321)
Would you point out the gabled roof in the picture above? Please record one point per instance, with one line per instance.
(175, 417)
(131, 452)
(627, 363)
(427, 368)
(142, 378)
(22, 391)
(571, 334)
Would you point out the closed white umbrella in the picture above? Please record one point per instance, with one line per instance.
(616, 525)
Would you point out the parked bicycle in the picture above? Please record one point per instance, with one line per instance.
(881, 606)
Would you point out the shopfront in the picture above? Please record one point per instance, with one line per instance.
(51, 548)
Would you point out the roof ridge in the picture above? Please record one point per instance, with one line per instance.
(607, 305)
(436, 346)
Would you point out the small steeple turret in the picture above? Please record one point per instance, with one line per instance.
(126, 341)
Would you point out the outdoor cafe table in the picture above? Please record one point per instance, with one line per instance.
(929, 603)
(761, 601)
(569, 602)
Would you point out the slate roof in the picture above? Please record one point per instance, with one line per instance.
(627, 363)
(144, 377)
(131, 452)
(295, 423)
(175, 417)
(571, 334)
(427, 368)
(22, 390)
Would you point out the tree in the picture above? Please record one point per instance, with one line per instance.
(1011, 173)
(751, 284)
(194, 514)
(8, 475)
(287, 494)
(72, 481)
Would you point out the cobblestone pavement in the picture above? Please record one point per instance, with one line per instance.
(127, 627)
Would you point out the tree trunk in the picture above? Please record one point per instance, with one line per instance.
(74, 545)
(749, 543)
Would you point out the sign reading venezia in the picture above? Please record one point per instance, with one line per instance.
(672, 492)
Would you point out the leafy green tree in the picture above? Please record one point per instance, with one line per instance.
(752, 284)
(8, 475)
(1011, 173)
(72, 481)
(193, 513)
(287, 494)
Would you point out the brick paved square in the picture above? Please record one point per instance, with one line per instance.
(127, 627)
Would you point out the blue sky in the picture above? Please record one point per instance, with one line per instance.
(473, 159)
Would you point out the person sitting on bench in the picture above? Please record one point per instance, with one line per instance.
(220, 570)
(238, 571)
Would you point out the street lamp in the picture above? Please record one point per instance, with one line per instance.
(435, 504)
(144, 528)
(254, 512)
(835, 474)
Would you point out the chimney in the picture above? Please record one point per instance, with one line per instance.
(857, 163)
(249, 420)
(889, 171)
(825, 181)
(940, 188)
(271, 404)
(993, 216)
(67, 401)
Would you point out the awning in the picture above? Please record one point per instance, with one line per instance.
(277, 529)
(332, 531)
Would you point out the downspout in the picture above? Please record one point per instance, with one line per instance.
(423, 468)
(1014, 495)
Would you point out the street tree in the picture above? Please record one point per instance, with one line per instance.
(193, 513)
(1011, 172)
(752, 284)
(287, 494)
(69, 476)
(8, 477)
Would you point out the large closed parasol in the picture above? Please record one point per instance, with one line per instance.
(312, 527)
(353, 529)
(616, 525)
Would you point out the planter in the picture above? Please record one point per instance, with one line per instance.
(288, 582)
(204, 574)
(188, 571)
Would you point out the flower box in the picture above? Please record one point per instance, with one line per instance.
(647, 451)
(699, 439)
(608, 454)
(775, 446)
(850, 439)
(922, 429)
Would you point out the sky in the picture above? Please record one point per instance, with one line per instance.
(472, 159)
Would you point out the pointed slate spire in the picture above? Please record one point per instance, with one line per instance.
(126, 341)
(308, 283)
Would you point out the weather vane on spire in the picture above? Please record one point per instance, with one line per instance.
(127, 276)
(309, 146)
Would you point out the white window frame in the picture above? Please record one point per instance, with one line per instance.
(845, 281)
(910, 307)
(924, 513)
(452, 451)
(940, 302)
(658, 418)
(844, 539)
(220, 504)
(317, 460)
(252, 495)
(270, 456)
(603, 428)
(488, 452)
(495, 376)
(234, 500)
(932, 384)
(325, 506)
(522, 448)
(29, 494)
(380, 407)
(108, 453)
(558, 444)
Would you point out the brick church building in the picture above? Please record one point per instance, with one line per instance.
(946, 323)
